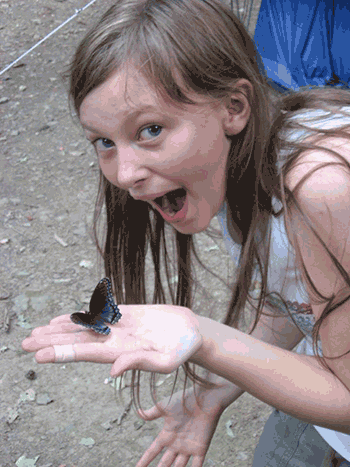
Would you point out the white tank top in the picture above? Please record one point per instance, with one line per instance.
(283, 277)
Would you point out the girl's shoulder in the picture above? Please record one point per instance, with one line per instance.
(327, 134)
(319, 178)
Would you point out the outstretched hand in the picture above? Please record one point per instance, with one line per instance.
(187, 431)
(156, 338)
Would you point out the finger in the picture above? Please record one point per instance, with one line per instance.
(168, 458)
(46, 355)
(62, 319)
(151, 414)
(40, 341)
(60, 322)
(93, 352)
(64, 353)
(182, 460)
(151, 453)
(143, 360)
(39, 334)
(124, 363)
(57, 354)
(198, 461)
(59, 327)
(133, 361)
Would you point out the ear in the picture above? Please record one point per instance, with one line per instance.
(236, 111)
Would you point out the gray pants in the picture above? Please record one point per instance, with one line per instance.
(288, 442)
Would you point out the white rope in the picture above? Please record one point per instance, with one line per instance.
(77, 11)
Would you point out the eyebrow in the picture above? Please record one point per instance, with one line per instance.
(130, 116)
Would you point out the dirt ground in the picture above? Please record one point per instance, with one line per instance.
(69, 415)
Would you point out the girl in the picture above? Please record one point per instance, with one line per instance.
(186, 127)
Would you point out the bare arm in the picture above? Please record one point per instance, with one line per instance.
(296, 384)
(276, 331)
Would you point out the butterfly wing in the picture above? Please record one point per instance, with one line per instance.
(102, 310)
(94, 323)
(103, 302)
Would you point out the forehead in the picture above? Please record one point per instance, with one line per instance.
(122, 92)
(126, 92)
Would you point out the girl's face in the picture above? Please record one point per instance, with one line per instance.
(150, 148)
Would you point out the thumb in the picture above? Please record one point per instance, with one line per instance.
(150, 414)
(143, 361)
(134, 361)
(124, 363)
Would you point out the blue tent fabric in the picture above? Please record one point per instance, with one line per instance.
(305, 42)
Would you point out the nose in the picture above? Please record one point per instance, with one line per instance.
(127, 169)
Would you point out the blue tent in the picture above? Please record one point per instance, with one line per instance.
(305, 42)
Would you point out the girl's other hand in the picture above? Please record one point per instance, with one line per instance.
(185, 434)
(156, 338)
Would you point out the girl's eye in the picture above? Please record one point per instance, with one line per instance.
(103, 143)
(150, 132)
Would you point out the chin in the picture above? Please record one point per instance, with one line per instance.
(192, 228)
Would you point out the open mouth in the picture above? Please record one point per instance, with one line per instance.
(171, 203)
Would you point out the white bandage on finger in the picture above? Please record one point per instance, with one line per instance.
(64, 353)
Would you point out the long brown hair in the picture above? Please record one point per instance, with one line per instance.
(202, 45)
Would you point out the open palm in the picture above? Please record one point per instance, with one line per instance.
(186, 433)
(156, 338)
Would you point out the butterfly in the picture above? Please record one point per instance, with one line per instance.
(102, 310)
